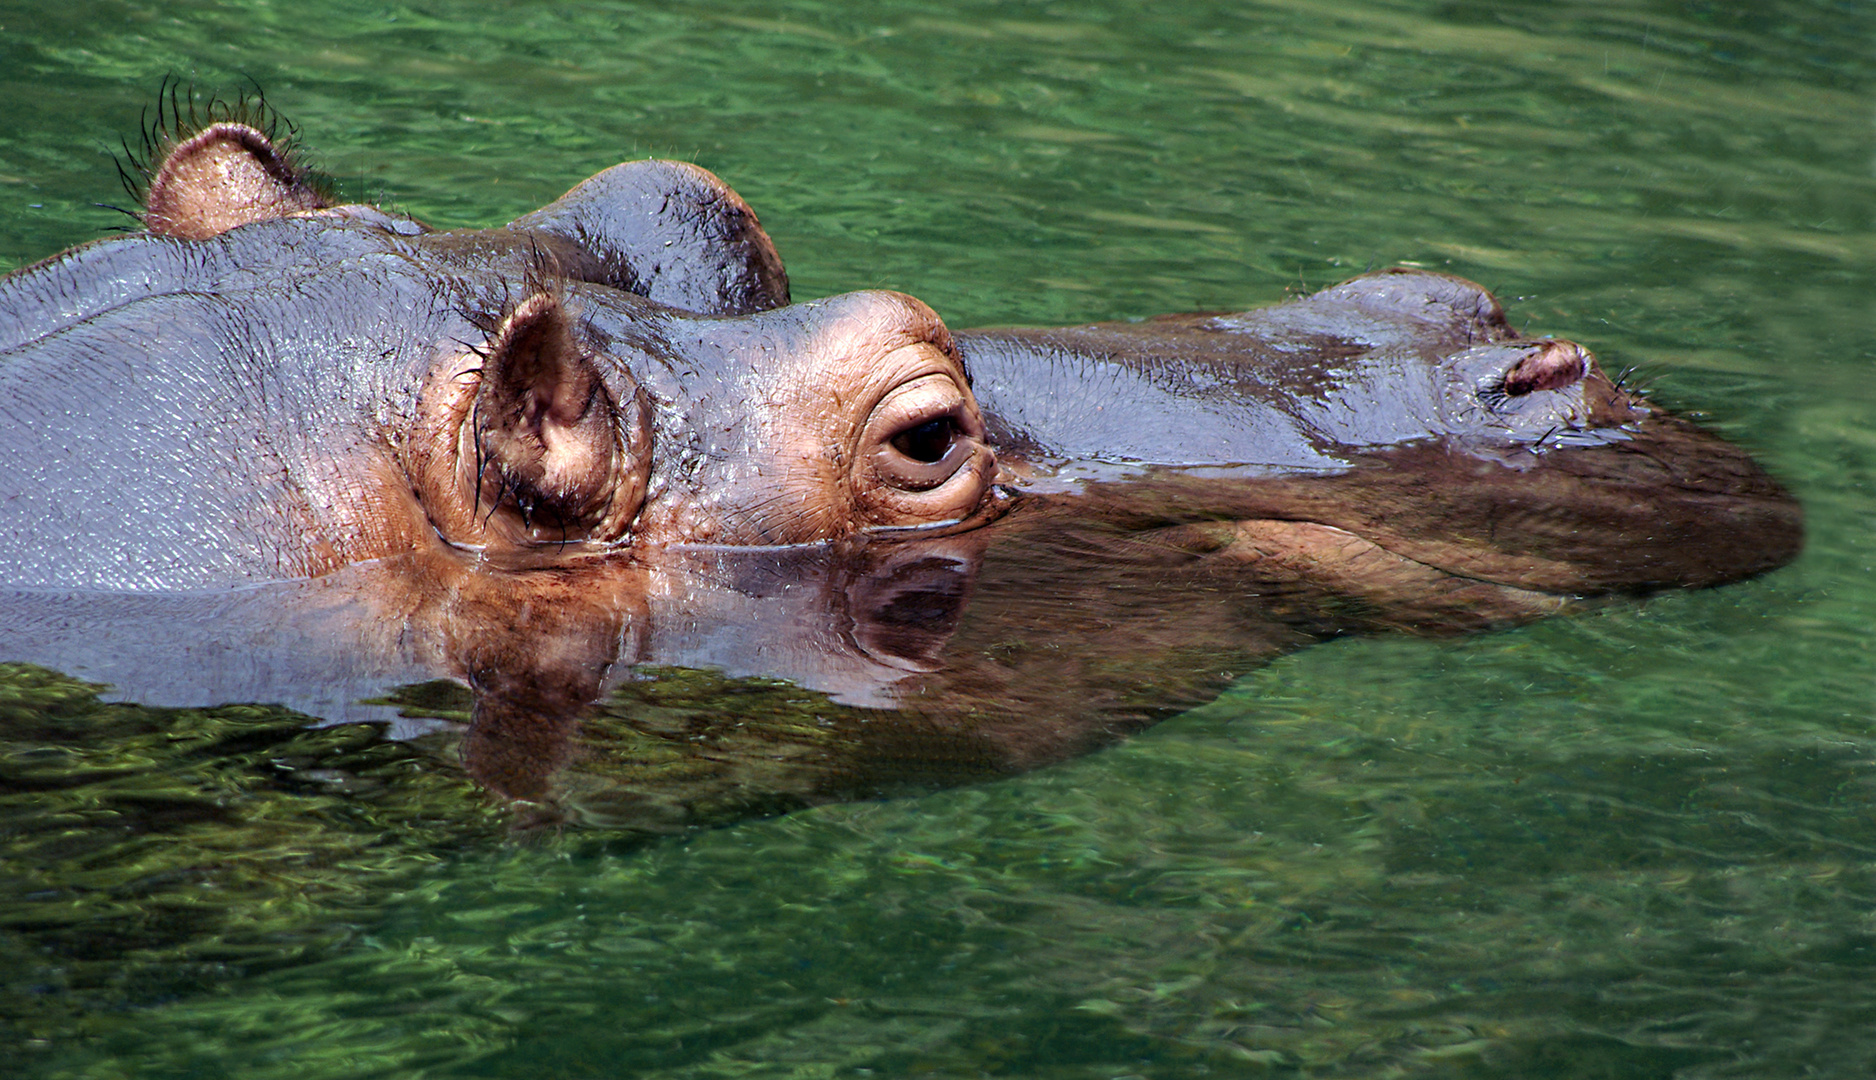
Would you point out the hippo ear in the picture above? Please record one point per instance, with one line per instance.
(671, 232)
(225, 175)
(557, 457)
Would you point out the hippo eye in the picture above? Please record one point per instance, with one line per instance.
(924, 455)
(927, 442)
(922, 452)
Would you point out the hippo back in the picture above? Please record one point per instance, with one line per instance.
(165, 427)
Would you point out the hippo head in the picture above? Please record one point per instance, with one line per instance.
(265, 384)
(616, 371)
(434, 433)
(585, 416)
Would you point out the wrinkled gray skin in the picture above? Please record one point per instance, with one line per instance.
(1177, 499)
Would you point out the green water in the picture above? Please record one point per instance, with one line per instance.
(1636, 842)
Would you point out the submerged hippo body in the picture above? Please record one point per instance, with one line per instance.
(599, 441)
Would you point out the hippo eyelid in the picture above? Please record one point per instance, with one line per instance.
(922, 434)
(921, 455)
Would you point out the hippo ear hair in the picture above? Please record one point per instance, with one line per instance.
(556, 458)
(225, 175)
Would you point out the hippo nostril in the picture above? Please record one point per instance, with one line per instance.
(1554, 366)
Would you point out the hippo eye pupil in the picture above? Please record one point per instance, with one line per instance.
(928, 442)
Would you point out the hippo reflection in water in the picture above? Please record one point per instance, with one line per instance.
(273, 449)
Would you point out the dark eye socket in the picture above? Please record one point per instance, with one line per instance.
(928, 442)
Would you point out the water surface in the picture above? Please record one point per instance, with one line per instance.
(1634, 842)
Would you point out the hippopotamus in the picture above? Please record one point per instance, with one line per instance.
(349, 452)
(263, 386)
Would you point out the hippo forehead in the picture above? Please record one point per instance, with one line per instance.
(312, 276)
(92, 278)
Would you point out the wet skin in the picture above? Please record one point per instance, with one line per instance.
(537, 459)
